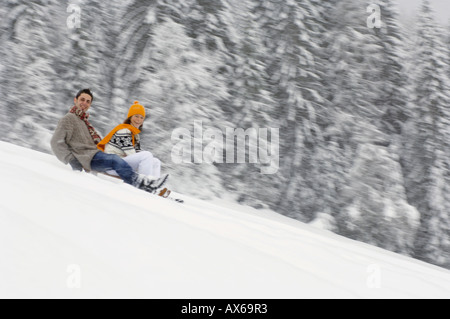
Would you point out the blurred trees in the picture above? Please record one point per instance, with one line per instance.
(28, 75)
(425, 153)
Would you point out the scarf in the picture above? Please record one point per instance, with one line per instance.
(84, 117)
(134, 131)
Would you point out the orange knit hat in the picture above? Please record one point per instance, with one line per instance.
(136, 109)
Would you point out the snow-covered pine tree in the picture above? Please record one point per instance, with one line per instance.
(327, 173)
(426, 140)
(28, 75)
(90, 54)
(356, 90)
(136, 23)
(207, 23)
(377, 210)
(291, 36)
(134, 44)
(184, 93)
(447, 43)
(177, 83)
(394, 93)
(247, 78)
(353, 78)
(104, 18)
(3, 129)
(350, 56)
(249, 102)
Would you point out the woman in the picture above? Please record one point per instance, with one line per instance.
(124, 140)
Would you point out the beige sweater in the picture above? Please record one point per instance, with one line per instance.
(71, 139)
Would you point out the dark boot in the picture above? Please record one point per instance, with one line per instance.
(150, 185)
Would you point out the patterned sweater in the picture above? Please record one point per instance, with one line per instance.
(121, 143)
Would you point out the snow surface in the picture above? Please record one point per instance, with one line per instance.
(65, 234)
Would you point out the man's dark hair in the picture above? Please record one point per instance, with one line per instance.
(85, 91)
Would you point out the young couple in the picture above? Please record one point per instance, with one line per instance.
(76, 142)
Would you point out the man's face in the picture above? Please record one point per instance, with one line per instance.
(83, 102)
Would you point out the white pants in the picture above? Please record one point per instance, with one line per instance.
(143, 163)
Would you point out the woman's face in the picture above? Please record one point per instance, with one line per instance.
(137, 120)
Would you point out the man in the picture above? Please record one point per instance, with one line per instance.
(75, 142)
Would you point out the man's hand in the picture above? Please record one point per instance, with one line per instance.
(76, 165)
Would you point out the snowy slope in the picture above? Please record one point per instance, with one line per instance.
(73, 235)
